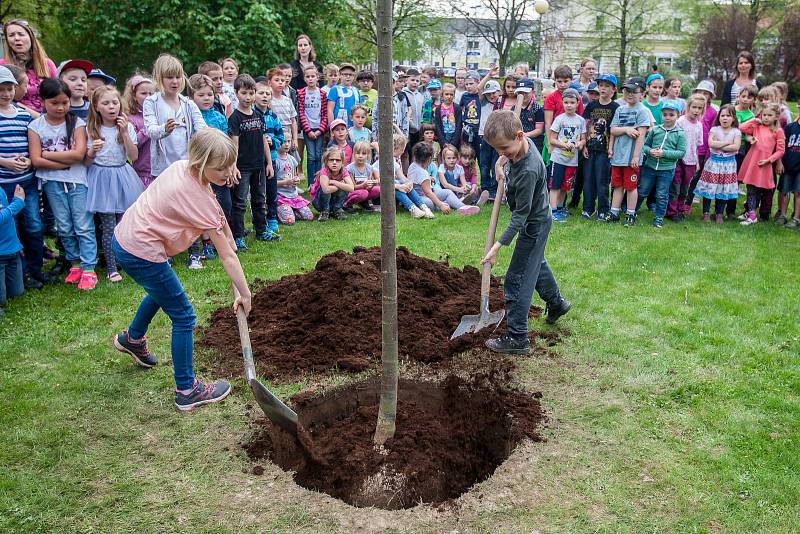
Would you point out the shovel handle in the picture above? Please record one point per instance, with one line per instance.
(486, 274)
(244, 338)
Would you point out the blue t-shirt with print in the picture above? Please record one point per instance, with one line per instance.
(624, 146)
(343, 98)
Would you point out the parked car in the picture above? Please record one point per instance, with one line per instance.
(483, 72)
(450, 72)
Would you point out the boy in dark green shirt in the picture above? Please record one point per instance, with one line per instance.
(526, 191)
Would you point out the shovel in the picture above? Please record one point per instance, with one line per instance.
(475, 323)
(275, 410)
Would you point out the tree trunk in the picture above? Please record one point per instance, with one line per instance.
(623, 42)
(387, 412)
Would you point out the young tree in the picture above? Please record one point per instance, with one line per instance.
(437, 41)
(498, 22)
(722, 35)
(387, 411)
(624, 27)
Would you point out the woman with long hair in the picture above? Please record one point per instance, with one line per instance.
(304, 56)
(745, 75)
(22, 48)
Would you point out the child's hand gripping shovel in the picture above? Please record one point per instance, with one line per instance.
(275, 410)
(474, 323)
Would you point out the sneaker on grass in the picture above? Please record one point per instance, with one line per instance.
(201, 394)
(554, 311)
(240, 244)
(268, 235)
(137, 351)
(194, 262)
(88, 281)
(509, 344)
(74, 275)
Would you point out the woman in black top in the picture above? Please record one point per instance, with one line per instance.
(304, 55)
(745, 75)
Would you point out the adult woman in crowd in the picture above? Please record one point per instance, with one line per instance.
(22, 48)
(745, 75)
(304, 55)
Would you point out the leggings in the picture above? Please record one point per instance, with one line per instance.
(362, 195)
(446, 196)
(288, 215)
(719, 206)
(108, 222)
(760, 196)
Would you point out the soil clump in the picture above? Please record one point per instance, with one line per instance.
(329, 319)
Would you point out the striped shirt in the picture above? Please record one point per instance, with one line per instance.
(14, 142)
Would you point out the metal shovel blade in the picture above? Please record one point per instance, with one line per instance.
(273, 408)
(475, 323)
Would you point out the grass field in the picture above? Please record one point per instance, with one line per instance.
(673, 405)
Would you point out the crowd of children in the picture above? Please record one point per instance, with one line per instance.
(92, 150)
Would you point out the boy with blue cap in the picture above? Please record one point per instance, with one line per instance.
(664, 145)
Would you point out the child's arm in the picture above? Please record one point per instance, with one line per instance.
(331, 105)
(648, 144)
(445, 184)
(14, 207)
(230, 262)
(301, 107)
(323, 116)
(294, 133)
(582, 142)
(734, 146)
(780, 146)
(15, 163)
(270, 169)
(492, 72)
(74, 154)
(552, 137)
(35, 150)
(548, 122)
(346, 184)
(131, 150)
(637, 150)
(325, 184)
(151, 126)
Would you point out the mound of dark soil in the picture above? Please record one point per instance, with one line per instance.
(449, 436)
(330, 317)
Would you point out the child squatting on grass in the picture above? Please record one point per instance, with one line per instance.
(168, 217)
(526, 192)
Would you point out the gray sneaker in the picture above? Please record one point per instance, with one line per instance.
(202, 394)
(137, 351)
(780, 219)
(794, 224)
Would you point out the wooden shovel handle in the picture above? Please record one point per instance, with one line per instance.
(244, 338)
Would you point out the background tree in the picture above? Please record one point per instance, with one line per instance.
(437, 41)
(623, 27)
(120, 35)
(409, 17)
(498, 22)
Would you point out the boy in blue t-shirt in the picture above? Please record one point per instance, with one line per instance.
(628, 129)
(342, 97)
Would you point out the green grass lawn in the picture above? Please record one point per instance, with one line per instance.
(674, 405)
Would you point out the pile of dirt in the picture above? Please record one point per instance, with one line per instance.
(330, 318)
(450, 435)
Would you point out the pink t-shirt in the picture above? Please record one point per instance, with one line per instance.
(31, 98)
(693, 131)
(169, 216)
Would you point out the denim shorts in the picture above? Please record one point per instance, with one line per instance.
(789, 183)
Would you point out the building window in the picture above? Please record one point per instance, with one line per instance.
(599, 22)
(473, 45)
(676, 25)
(452, 63)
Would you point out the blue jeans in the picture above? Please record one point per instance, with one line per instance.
(487, 157)
(164, 291)
(31, 223)
(10, 277)
(528, 271)
(329, 201)
(314, 149)
(661, 180)
(408, 200)
(75, 224)
(596, 181)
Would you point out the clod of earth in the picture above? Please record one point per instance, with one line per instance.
(450, 435)
(329, 319)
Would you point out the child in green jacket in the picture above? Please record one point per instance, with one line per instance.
(664, 145)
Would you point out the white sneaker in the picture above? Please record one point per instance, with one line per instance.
(416, 212)
(194, 262)
(748, 221)
(428, 213)
(484, 198)
(468, 210)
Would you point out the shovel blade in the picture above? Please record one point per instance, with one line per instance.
(275, 410)
(475, 323)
